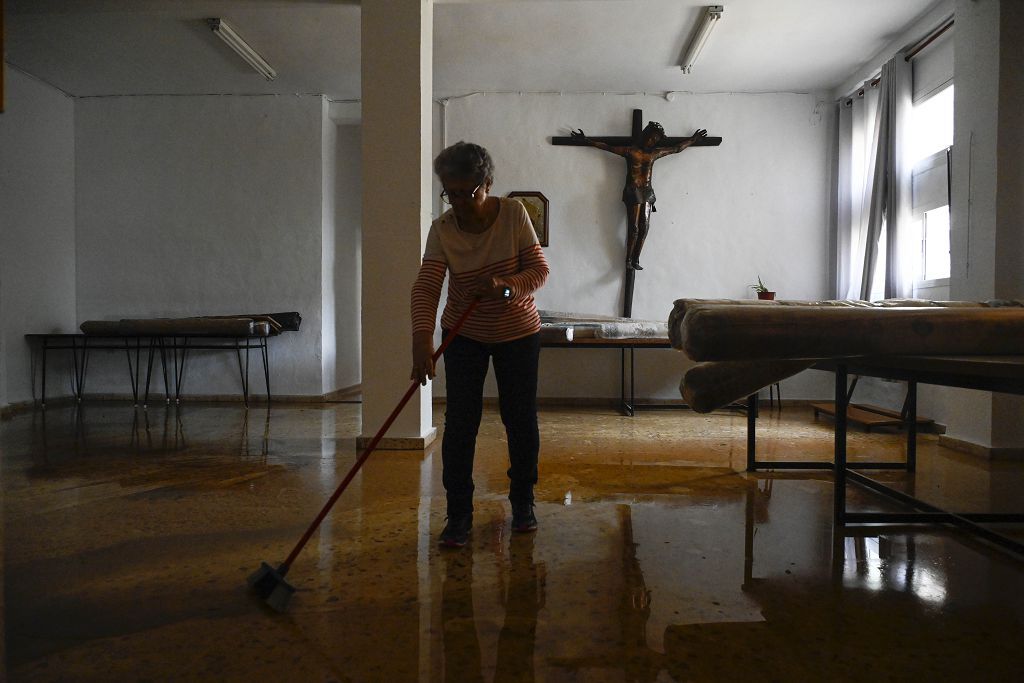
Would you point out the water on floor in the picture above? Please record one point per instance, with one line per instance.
(128, 537)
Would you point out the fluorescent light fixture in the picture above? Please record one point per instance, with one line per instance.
(712, 13)
(229, 35)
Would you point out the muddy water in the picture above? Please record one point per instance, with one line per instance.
(128, 537)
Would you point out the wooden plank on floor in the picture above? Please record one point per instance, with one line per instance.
(893, 413)
(858, 415)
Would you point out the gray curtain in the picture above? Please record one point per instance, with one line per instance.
(888, 190)
(872, 196)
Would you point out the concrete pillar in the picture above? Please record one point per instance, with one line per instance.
(397, 84)
(328, 250)
(1008, 411)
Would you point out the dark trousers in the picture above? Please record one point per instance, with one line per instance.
(515, 368)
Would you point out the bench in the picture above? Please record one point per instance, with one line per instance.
(170, 338)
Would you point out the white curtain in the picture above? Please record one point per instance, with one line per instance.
(873, 219)
(857, 117)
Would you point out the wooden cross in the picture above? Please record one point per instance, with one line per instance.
(638, 126)
(623, 141)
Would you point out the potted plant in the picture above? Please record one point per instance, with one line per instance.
(762, 291)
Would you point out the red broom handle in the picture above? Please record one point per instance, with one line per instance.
(283, 568)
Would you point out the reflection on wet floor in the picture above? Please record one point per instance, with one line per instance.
(128, 536)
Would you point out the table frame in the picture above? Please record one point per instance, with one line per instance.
(954, 371)
(175, 346)
(627, 406)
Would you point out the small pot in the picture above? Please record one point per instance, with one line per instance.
(768, 296)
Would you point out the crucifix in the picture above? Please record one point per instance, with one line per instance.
(641, 150)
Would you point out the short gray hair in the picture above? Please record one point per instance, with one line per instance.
(465, 160)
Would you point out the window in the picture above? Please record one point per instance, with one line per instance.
(931, 138)
(931, 124)
(935, 244)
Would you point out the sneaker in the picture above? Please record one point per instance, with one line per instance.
(456, 531)
(523, 519)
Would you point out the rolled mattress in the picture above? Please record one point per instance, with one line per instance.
(170, 327)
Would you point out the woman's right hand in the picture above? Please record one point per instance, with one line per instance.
(422, 357)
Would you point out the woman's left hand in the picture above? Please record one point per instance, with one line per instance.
(488, 287)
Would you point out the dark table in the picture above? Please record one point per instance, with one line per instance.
(627, 402)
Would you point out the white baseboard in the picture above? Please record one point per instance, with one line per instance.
(977, 450)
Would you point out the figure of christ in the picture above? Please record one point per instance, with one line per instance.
(638, 194)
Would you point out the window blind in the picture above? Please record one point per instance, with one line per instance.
(933, 66)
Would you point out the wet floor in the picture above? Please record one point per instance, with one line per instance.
(128, 536)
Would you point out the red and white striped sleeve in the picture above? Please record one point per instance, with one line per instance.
(426, 290)
(533, 272)
(533, 267)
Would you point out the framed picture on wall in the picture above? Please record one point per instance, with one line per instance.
(537, 209)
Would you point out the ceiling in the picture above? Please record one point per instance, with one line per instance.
(131, 47)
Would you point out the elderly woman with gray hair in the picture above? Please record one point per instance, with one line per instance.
(489, 250)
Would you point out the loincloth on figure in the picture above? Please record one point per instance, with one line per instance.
(631, 194)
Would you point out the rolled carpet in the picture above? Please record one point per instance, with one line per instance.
(718, 332)
(709, 386)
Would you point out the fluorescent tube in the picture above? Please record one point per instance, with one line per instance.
(712, 13)
(229, 35)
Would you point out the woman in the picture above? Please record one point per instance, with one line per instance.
(488, 246)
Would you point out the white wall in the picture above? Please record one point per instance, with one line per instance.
(756, 205)
(1008, 411)
(3, 345)
(973, 211)
(347, 256)
(975, 150)
(37, 230)
(202, 206)
(1010, 226)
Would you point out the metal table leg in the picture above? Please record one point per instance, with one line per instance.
(751, 432)
(632, 381)
(625, 405)
(149, 371)
(265, 351)
(133, 371)
(179, 369)
(46, 347)
(911, 426)
(243, 374)
(163, 366)
(74, 374)
(839, 468)
(80, 366)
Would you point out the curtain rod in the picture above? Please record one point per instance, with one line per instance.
(929, 39)
(860, 92)
(925, 42)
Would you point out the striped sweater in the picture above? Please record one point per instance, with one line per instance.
(508, 249)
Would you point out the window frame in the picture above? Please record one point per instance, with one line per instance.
(932, 161)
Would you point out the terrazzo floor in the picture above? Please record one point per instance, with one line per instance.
(128, 536)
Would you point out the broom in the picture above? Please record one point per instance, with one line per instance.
(267, 582)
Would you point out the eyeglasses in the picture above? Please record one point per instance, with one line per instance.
(447, 196)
